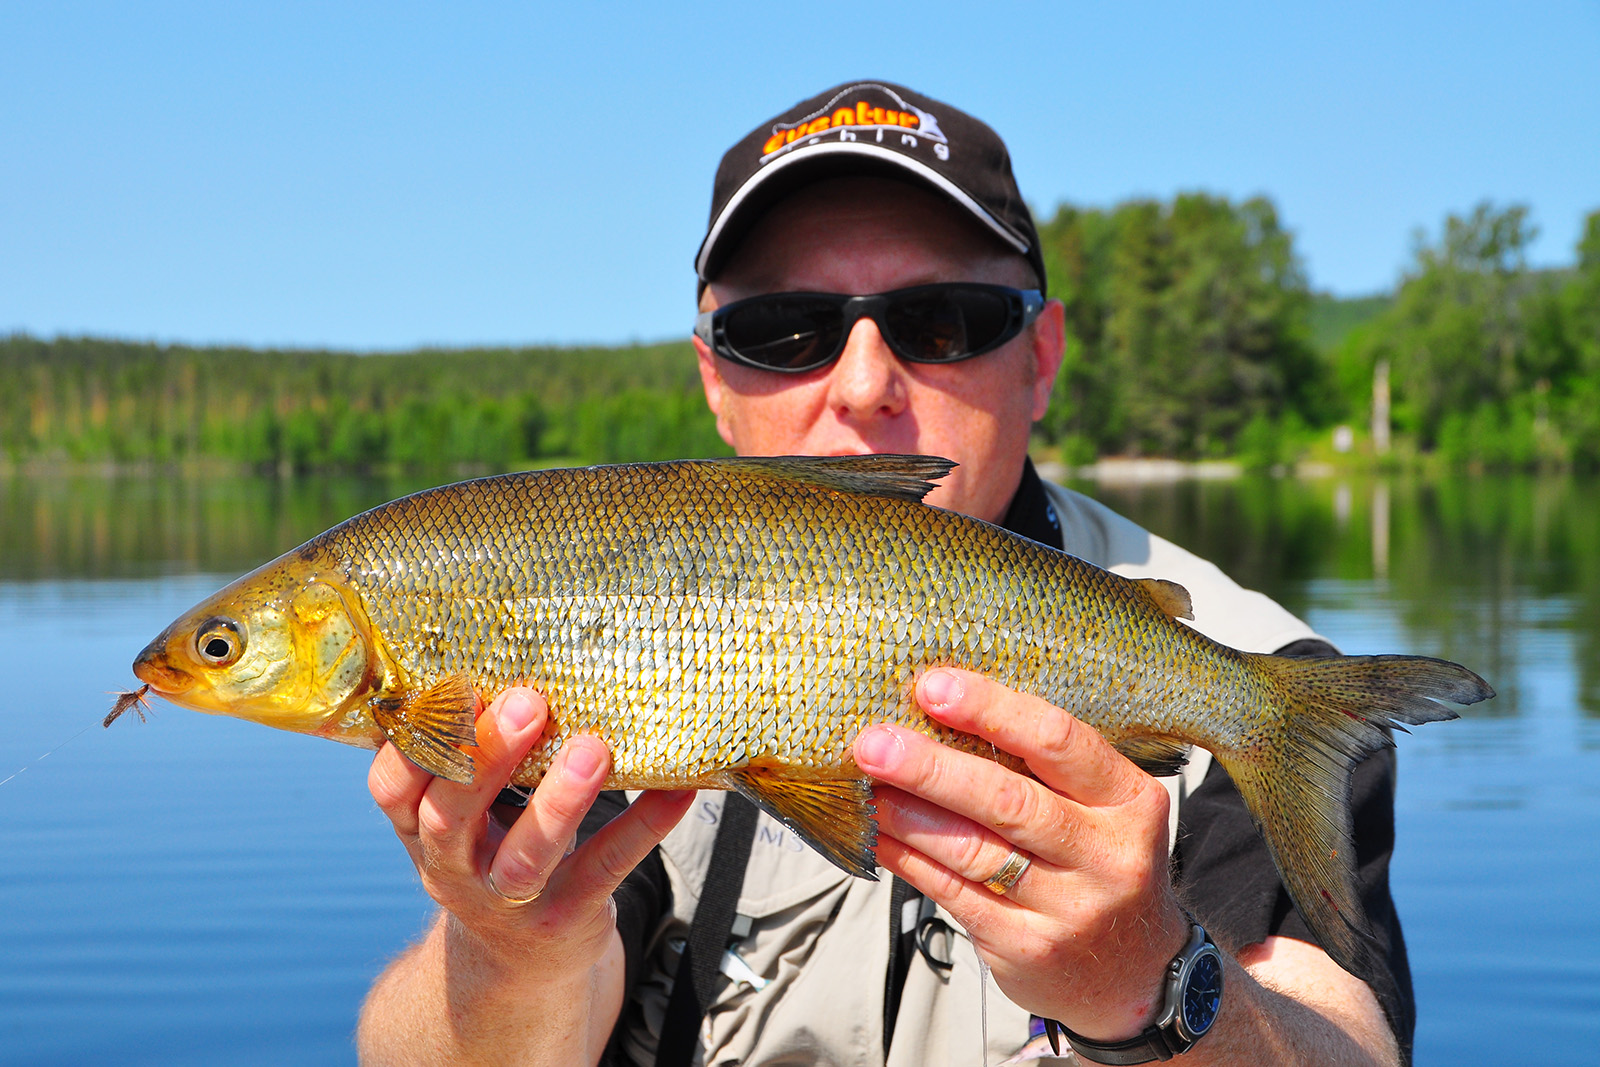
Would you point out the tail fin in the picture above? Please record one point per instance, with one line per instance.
(1336, 711)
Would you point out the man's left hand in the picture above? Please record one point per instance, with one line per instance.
(1096, 904)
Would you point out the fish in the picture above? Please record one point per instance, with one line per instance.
(735, 623)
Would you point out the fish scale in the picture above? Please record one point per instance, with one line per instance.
(740, 663)
(736, 623)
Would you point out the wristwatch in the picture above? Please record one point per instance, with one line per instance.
(1194, 995)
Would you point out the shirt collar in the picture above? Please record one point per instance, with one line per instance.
(1031, 514)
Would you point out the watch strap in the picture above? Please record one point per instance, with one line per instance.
(1146, 1048)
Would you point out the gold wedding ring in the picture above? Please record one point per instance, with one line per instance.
(515, 902)
(1010, 873)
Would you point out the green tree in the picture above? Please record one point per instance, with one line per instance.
(1454, 337)
(1492, 363)
(85, 399)
(1186, 323)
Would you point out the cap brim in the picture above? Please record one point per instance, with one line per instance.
(783, 176)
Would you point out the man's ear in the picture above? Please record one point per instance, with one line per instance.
(716, 389)
(1049, 345)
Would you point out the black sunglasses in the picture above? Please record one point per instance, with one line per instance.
(942, 323)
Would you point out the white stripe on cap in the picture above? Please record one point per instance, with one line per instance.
(916, 166)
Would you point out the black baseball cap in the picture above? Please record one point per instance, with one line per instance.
(868, 127)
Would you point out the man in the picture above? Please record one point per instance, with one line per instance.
(1062, 884)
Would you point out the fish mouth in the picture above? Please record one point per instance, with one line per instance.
(153, 669)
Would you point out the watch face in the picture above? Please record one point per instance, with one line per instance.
(1202, 994)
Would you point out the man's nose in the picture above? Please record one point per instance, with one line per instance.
(867, 380)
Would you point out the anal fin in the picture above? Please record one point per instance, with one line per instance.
(429, 727)
(832, 815)
(1154, 756)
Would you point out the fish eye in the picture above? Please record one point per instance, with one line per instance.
(219, 641)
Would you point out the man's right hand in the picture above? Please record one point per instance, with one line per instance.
(491, 954)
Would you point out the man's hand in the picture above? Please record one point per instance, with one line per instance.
(532, 940)
(1085, 934)
(1096, 904)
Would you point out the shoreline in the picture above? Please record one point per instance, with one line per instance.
(1119, 471)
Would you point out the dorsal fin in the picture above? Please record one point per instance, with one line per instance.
(1170, 597)
(901, 476)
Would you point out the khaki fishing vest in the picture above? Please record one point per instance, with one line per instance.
(817, 947)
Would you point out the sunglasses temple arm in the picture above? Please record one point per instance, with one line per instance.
(1032, 305)
(702, 327)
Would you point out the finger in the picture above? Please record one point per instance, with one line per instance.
(955, 843)
(981, 913)
(1003, 802)
(537, 841)
(622, 844)
(397, 785)
(1066, 754)
(451, 815)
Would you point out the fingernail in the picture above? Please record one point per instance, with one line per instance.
(516, 712)
(583, 761)
(940, 689)
(877, 749)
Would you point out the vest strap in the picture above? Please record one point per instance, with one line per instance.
(902, 935)
(695, 985)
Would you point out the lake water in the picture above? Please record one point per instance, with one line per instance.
(202, 890)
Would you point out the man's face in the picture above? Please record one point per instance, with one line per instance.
(861, 236)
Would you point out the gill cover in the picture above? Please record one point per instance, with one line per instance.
(331, 650)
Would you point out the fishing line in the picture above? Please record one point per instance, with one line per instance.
(62, 745)
(983, 1002)
(125, 700)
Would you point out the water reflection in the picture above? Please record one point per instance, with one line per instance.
(1472, 567)
(128, 527)
(1380, 529)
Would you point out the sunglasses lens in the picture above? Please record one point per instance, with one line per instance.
(939, 323)
(785, 333)
(946, 324)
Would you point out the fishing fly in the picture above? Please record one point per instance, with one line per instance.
(132, 698)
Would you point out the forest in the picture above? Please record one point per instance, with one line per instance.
(1193, 332)
(89, 400)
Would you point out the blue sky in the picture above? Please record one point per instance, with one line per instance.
(378, 176)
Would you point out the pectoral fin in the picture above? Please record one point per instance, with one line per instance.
(429, 727)
(832, 815)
